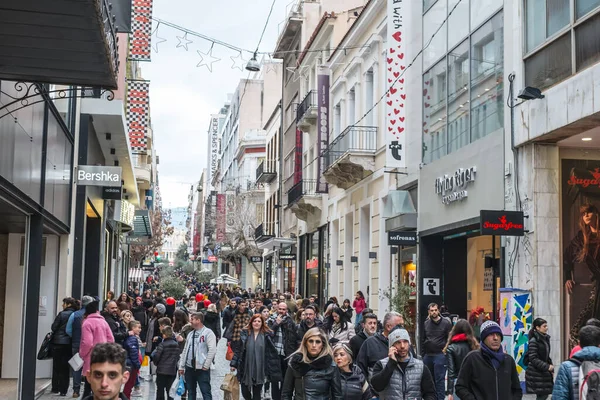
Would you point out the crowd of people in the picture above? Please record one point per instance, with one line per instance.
(285, 347)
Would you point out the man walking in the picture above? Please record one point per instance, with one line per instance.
(310, 321)
(489, 373)
(197, 356)
(369, 322)
(284, 339)
(435, 334)
(111, 315)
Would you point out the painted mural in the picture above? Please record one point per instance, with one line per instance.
(516, 318)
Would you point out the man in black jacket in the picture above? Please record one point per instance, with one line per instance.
(489, 373)
(111, 315)
(310, 321)
(229, 313)
(376, 347)
(436, 330)
(61, 347)
(369, 322)
(284, 339)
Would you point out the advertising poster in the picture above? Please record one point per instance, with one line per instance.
(137, 113)
(322, 126)
(221, 217)
(580, 181)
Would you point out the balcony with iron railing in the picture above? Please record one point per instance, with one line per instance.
(304, 200)
(350, 157)
(266, 171)
(263, 232)
(306, 112)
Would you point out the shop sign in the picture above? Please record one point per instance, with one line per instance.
(256, 259)
(141, 30)
(287, 257)
(402, 238)
(99, 175)
(212, 259)
(111, 193)
(127, 213)
(214, 145)
(137, 240)
(312, 263)
(453, 187)
(322, 126)
(502, 223)
(431, 287)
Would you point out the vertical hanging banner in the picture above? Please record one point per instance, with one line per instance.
(141, 30)
(138, 109)
(298, 158)
(322, 125)
(221, 218)
(395, 111)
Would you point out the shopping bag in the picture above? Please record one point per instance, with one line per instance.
(45, 352)
(230, 387)
(181, 387)
(146, 361)
(76, 362)
(229, 354)
(173, 391)
(145, 369)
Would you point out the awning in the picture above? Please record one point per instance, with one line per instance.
(141, 223)
(225, 279)
(276, 242)
(136, 274)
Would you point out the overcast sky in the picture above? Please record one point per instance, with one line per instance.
(182, 95)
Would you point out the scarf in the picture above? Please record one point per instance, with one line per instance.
(495, 357)
(254, 363)
(461, 337)
(239, 322)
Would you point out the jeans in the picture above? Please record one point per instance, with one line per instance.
(436, 363)
(163, 384)
(61, 354)
(194, 378)
(276, 386)
(253, 394)
(358, 320)
(76, 374)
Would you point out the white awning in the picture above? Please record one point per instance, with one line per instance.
(136, 274)
(225, 279)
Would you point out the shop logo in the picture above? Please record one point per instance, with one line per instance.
(453, 187)
(502, 225)
(586, 182)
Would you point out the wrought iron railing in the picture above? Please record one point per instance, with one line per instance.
(266, 167)
(352, 139)
(310, 100)
(109, 21)
(306, 187)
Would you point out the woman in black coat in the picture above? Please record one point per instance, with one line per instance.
(61, 347)
(354, 383)
(311, 374)
(212, 321)
(540, 371)
(461, 341)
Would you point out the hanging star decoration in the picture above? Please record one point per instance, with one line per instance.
(207, 59)
(184, 42)
(269, 64)
(157, 39)
(238, 62)
(299, 72)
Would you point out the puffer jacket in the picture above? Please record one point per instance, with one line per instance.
(319, 380)
(567, 379)
(356, 342)
(538, 379)
(131, 345)
(455, 354)
(59, 327)
(394, 383)
(166, 357)
(271, 359)
(228, 314)
(355, 385)
(211, 321)
(373, 349)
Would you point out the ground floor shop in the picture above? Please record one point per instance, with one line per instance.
(313, 263)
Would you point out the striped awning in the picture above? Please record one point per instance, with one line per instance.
(136, 274)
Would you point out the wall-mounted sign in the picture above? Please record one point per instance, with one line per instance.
(402, 238)
(141, 30)
(453, 187)
(213, 137)
(99, 175)
(502, 223)
(221, 217)
(256, 259)
(431, 287)
(322, 125)
(137, 240)
(212, 259)
(127, 213)
(312, 263)
(287, 257)
(111, 193)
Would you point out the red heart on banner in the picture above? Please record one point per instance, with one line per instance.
(395, 63)
(403, 96)
(389, 128)
(401, 80)
(427, 105)
(396, 74)
(424, 123)
(389, 80)
(393, 121)
(402, 67)
(389, 103)
(402, 105)
(393, 90)
(401, 56)
(389, 114)
(397, 36)
(389, 60)
(426, 130)
(401, 119)
(424, 92)
(396, 111)
(428, 98)
(392, 51)
(426, 83)
(390, 69)
(400, 129)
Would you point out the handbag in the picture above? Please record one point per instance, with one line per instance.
(229, 354)
(45, 351)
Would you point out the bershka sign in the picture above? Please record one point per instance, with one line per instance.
(94, 175)
(402, 238)
(502, 223)
(453, 187)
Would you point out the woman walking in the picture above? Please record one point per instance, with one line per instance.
(539, 376)
(460, 343)
(311, 374)
(256, 360)
(61, 347)
(347, 309)
(340, 330)
(181, 327)
(354, 383)
(359, 305)
(212, 321)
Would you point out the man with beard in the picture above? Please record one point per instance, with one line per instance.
(240, 322)
(284, 339)
(113, 319)
(310, 321)
(229, 314)
(369, 322)
(376, 347)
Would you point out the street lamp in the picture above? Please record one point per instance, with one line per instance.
(253, 64)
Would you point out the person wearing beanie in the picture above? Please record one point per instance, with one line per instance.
(489, 373)
(400, 375)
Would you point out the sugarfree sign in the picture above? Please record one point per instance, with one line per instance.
(453, 187)
(94, 175)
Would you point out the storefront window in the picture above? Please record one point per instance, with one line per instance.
(434, 110)
(458, 97)
(312, 266)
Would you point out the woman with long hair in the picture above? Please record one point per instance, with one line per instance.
(539, 375)
(353, 381)
(461, 341)
(347, 309)
(256, 360)
(584, 248)
(181, 327)
(359, 305)
(341, 331)
(311, 374)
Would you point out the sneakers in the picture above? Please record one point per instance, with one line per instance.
(137, 393)
(75, 395)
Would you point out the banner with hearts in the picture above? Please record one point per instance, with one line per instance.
(395, 136)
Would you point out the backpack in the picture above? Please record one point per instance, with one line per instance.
(589, 380)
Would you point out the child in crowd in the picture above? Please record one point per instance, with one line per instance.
(166, 357)
(134, 361)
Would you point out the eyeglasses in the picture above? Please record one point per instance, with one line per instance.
(314, 341)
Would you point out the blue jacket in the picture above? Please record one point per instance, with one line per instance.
(132, 347)
(74, 328)
(566, 386)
